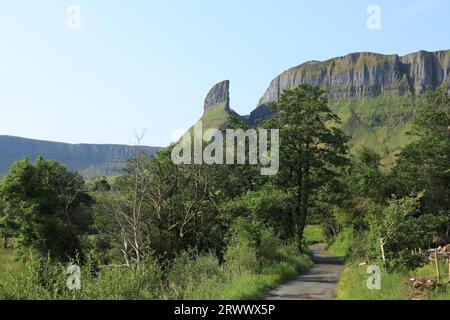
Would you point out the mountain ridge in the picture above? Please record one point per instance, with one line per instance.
(89, 160)
(375, 95)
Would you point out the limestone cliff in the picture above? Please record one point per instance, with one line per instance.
(364, 75)
(375, 95)
(218, 95)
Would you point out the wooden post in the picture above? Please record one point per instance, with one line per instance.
(436, 260)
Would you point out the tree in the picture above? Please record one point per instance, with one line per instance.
(402, 230)
(312, 147)
(423, 165)
(8, 227)
(48, 205)
(157, 206)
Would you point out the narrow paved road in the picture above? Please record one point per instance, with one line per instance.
(319, 283)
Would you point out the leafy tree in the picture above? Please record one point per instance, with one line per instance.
(159, 206)
(269, 205)
(424, 164)
(401, 230)
(8, 227)
(366, 178)
(48, 206)
(312, 147)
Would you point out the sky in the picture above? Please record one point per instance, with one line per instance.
(145, 65)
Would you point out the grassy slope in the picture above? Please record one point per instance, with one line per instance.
(214, 117)
(380, 123)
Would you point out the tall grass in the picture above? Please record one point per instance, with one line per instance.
(353, 285)
(249, 271)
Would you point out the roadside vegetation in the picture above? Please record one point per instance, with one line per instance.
(166, 231)
(395, 217)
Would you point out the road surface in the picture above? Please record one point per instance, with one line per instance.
(319, 283)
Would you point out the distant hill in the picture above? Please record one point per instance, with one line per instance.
(90, 160)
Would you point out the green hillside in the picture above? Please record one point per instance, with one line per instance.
(215, 116)
(381, 123)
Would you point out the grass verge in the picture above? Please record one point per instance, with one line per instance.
(394, 285)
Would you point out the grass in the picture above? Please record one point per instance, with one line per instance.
(215, 117)
(6, 258)
(352, 285)
(200, 278)
(255, 286)
(7, 261)
(381, 122)
(429, 272)
(313, 234)
(353, 282)
(394, 285)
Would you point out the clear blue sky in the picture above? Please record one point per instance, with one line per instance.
(140, 63)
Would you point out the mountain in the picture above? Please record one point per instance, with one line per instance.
(89, 160)
(375, 95)
(367, 75)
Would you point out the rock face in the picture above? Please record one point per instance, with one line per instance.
(375, 95)
(90, 160)
(219, 94)
(364, 75)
